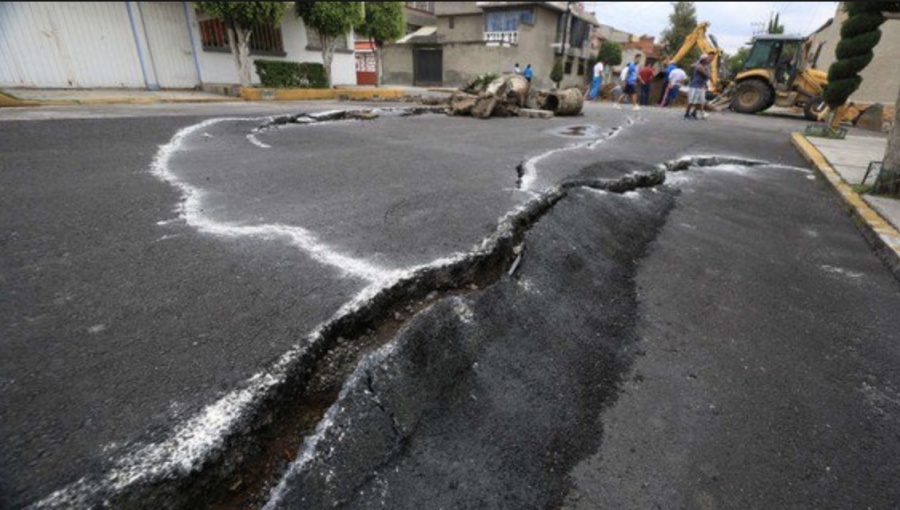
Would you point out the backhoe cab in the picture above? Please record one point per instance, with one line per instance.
(778, 71)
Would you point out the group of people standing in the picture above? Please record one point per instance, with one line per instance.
(634, 76)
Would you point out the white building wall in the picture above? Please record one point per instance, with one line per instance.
(217, 67)
(882, 75)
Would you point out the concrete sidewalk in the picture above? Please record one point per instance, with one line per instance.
(843, 163)
(57, 97)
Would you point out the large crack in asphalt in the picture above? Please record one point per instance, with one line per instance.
(278, 424)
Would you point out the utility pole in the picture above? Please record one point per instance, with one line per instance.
(566, 28)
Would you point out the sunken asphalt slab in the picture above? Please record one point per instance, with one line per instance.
(142, 318)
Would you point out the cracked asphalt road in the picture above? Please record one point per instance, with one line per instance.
(123, 321)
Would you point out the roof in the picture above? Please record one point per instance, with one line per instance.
(426, 34)
(778, 37)
(555, 6)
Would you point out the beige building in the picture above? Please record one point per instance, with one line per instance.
(473, 38)
(881, 78)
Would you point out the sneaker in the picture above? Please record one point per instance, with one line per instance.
(694, 116)
(617, 107)
(636, 107)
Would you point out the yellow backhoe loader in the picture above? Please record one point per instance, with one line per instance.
(779, 70)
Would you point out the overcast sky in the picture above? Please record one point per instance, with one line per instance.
(732, 23)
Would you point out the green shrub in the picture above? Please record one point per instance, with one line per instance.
(312, 75)
(281, 74)
(556, 75)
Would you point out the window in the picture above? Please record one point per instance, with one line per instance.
(568, 67)
(264, 40)
(581, 65)
(450, 22)
(580, 32)
(507, 21)
(421, 6)
(314, 42)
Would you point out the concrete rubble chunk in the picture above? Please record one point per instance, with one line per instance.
(507, 95)
(535, 114)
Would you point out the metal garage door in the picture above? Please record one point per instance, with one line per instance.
(428, 66)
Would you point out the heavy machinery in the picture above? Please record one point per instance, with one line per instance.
(698, 38)
(779, 71)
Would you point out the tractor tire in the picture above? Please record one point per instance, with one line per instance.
(813, 108)
(752, 96)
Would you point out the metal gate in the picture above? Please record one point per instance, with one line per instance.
(428, 66)
(96, 44)
(365, 68)
(169, 51)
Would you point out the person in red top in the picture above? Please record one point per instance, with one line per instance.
(645, 76)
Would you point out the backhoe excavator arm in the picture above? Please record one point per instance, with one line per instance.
(699, 39)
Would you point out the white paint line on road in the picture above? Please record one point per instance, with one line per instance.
(529, 176)
(191, 210)
(255, 141)
(841, 271)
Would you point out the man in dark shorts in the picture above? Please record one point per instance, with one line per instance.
(631, 78)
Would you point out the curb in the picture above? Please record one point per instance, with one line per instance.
(7, 101)
(266, 94)
(884, 238)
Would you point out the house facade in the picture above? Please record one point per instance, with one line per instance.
(148, 45)
(882, 76)
(473, 38)
(417, 15)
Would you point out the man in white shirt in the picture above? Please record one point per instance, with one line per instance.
(677, 78)
(596, 82)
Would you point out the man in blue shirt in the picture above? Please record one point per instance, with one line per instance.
(631, 78)
(529, 73)
(697, 90)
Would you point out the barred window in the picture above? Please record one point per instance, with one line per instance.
(421, 6)
(264, 39)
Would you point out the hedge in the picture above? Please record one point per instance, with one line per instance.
(281, 74)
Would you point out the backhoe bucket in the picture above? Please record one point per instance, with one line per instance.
(723, 100)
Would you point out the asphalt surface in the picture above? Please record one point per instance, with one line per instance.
(740, 358)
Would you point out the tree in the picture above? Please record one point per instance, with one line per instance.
(736, 61)
(385, 21)
(556, 75)
(773, 27)
(610, 53)
(859, 34)
(240, 18)
(682, 22)
(331, 20)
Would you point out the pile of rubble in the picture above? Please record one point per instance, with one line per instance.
(512, 95)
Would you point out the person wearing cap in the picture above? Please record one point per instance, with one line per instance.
(697, 90)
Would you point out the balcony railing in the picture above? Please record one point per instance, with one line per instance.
(502, 38)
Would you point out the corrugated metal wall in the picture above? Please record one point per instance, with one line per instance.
(168, 53)
(78, 44)
(95, 44)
